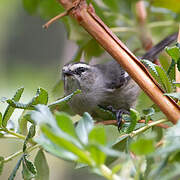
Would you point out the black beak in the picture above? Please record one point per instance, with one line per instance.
(67, 73)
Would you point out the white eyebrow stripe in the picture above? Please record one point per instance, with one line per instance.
(75, 66)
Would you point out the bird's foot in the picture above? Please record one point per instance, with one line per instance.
(119, 113)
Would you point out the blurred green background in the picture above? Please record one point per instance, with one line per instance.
(31, 57)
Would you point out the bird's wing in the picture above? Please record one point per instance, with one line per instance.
(115, 76)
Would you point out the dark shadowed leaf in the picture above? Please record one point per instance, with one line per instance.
(134, 117)
(41, 166)
(30, 166)
(31, 5)
(1, 164)
(31, 134)
(174, 52)
(0, 119)
(9, 110)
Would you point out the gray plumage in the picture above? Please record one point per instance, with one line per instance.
(101, 85)
(104, 84)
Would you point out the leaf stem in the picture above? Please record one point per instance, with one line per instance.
(108, 174)
(123, 29)
(20, 136)
(144, 128)
(28, 150)
(161, 23)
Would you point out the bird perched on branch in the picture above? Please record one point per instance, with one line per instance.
(104, 85)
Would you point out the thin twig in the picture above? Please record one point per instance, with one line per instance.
(114, 122)
(45, 26)
(29, 149)
(144, 128)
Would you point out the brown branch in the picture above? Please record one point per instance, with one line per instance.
(144, 33)
(114, 122)
(86, 17)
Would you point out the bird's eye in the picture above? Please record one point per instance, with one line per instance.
(80, 70)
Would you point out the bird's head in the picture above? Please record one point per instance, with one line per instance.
(77, 76)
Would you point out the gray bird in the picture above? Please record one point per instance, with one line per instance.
(104, 85)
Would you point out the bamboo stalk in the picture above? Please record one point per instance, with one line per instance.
(86, 17)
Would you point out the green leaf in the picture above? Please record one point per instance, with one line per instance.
(43, 116)
(1, 120)
(92, 49)
(104, 114)
(64, 100)
(165, 79)
(171, 70)
(30, 166)
(13, 174)
(55, 149)
(142, 146)
(26, 174)
(119, 145)
(9, 110)
(1, 164)
(172, 5)
(148, 113)
(174, 52)
(116, 168)
(96, 154)
(22, 123)
(173, 95)
(49, 8)
(113, 4)
(178, 64)
(97, 136)
(31, 5)
(83, 127)
(41, 166)
(31, 134)
(160, 75)
(134, 118)
(152, 69)
(66, 124)
(29, 170)
(66, 143)
(41, 97)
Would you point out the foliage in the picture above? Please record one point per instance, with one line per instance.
(136, 152)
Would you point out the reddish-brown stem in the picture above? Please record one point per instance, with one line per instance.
(160, 143)
(45, 26)
(114, 122)
(143, 30)
(144, 33)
